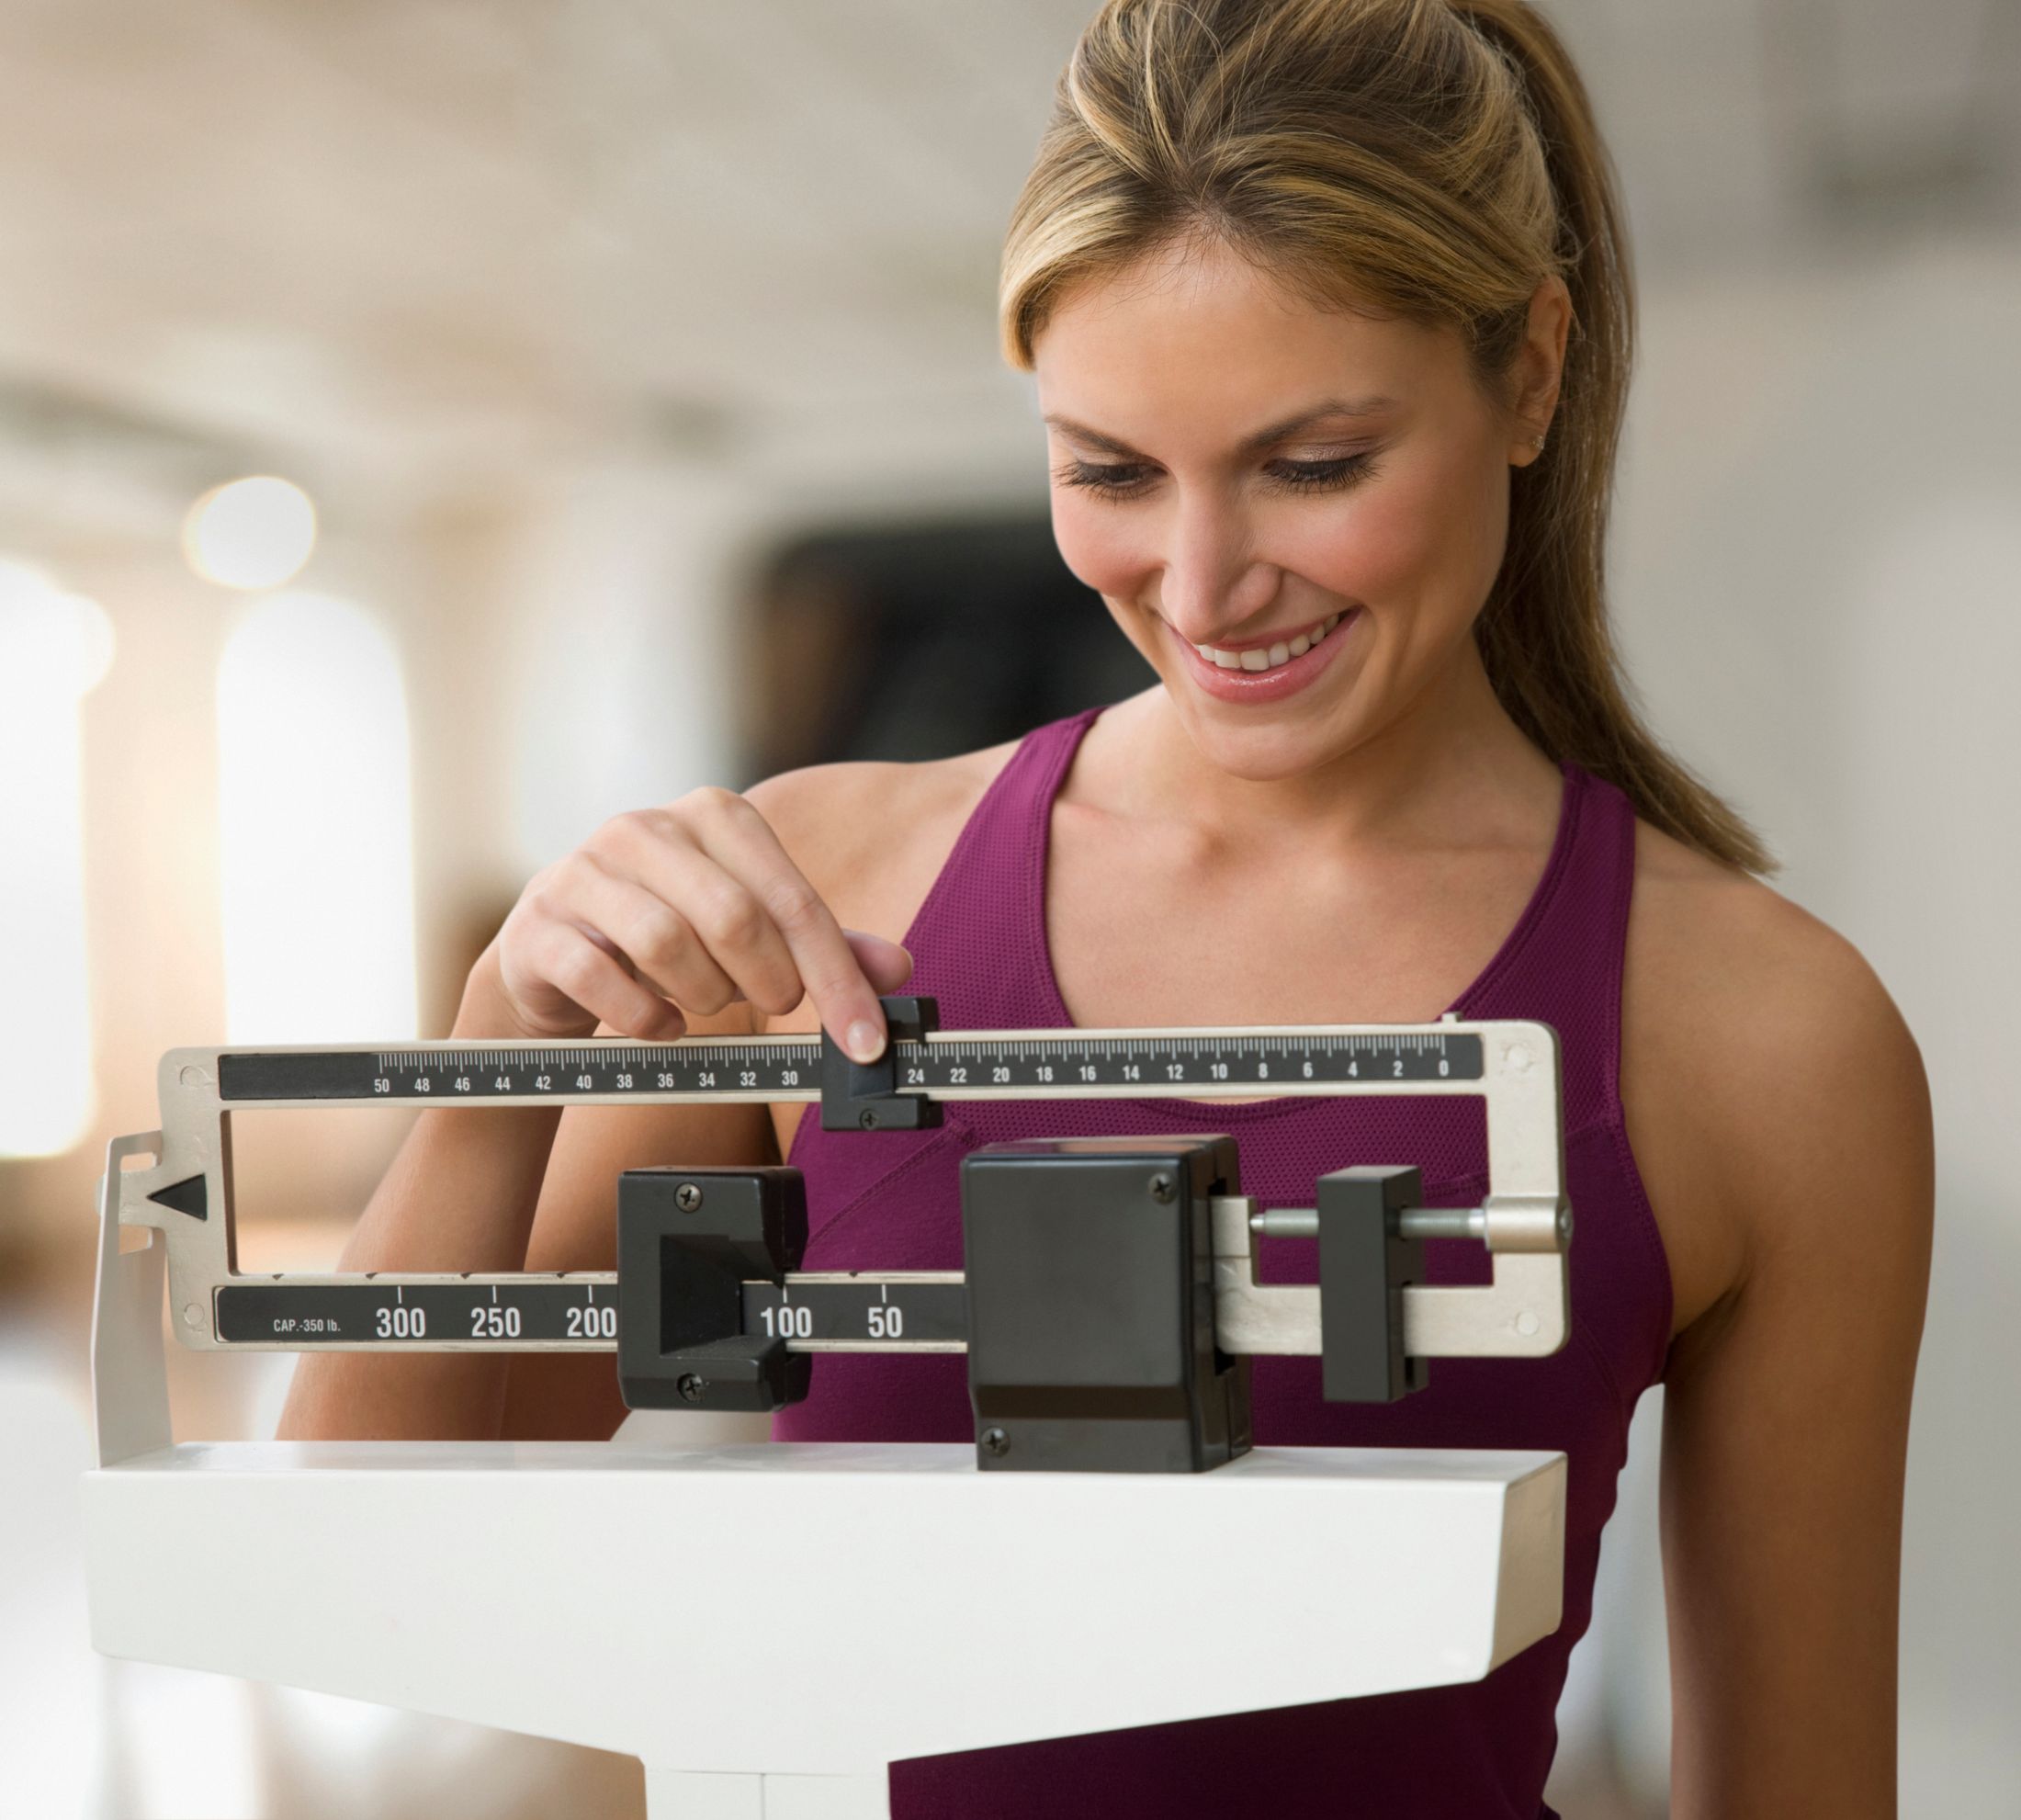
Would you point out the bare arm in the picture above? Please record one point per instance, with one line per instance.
(459, 1196)
(1787, 1406)
(666, 921)
(816, 815)
(498, 1190)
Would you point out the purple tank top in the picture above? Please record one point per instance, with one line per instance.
(891, 1201)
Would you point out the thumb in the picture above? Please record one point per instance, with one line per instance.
(886, 965)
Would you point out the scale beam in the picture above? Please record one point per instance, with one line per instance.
(188, 1192)
(767, 1318)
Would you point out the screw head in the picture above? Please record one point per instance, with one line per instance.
(1163, 1189)
(691, 1388)
(994, 1441)
(687, 1197)
(867, 1119)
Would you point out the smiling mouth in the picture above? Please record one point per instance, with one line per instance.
(1270, 656)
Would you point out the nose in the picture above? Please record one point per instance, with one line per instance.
(1212, 582)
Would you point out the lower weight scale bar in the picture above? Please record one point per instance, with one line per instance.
(1117, 1274)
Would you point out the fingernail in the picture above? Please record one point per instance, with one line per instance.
(864, 1040)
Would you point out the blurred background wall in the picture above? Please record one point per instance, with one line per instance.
(638, 363)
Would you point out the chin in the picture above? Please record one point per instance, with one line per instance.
(1267, 751)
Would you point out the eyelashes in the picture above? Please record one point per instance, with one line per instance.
(1118, 479)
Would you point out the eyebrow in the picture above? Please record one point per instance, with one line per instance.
(1275, 433)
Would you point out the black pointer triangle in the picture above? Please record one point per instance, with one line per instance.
(185, 1197)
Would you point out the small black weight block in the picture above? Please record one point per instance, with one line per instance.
(681, 1272)
(1364, 1263)
(864, 1096)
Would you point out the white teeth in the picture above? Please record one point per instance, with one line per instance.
(1259, 657)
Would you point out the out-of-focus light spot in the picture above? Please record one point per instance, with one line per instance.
(255, 532)
(94, 640)
(54, 647)
(54, 640)
(315, 821)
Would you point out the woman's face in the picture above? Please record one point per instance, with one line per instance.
(1319, 498)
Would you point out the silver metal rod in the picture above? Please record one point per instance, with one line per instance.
(1413, 1223)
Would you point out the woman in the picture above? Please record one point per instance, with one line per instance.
(1327, 307)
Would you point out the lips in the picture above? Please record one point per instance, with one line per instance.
(1273, 684)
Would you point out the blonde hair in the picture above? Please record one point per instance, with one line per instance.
(1433, 158)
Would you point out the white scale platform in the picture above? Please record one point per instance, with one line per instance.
(768, 1627)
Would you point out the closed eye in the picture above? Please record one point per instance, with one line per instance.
(1328, 475)
(1115, 478)
(1126, 480)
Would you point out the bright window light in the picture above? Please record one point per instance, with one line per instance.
(53, 649)
(255, 532)
(316, 827)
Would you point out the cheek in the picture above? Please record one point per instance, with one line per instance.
(1375, 550)
(1424, 535)
(1101, 546)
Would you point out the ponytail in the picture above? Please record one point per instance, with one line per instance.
(1545, 636)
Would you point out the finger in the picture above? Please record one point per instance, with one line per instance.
(736, 935)
(741, 842)
(654, 940)
(586, 973)
(735, 922)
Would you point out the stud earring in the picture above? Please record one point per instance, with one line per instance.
(1537, 443)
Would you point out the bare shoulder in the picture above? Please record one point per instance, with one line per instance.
(871, 837)
(1743, 996)
(824, 812)
(1762, 1059)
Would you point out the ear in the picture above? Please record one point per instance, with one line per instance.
(1538, 368)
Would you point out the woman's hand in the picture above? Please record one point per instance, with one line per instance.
(683, 909)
